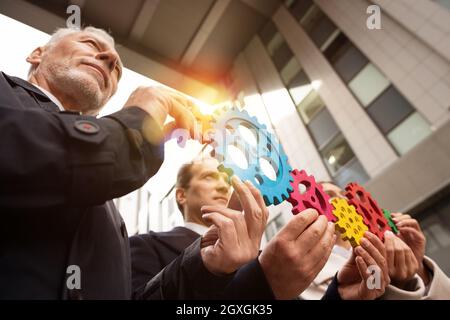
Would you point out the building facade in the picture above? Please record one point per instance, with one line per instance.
(354, 103)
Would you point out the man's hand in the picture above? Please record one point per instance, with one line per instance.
(297, 253)
(412, 235)
(353, 277)
(235, 237)
(402, 263)
(160, 102)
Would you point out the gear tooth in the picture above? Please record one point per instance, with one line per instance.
(266, 200)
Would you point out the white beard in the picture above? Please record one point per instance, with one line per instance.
(77, 84)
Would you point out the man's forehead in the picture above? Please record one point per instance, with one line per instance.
(207, 165)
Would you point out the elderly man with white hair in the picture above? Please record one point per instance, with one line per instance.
(61, 237)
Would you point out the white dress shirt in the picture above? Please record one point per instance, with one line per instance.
(197, 228)
(51, 97)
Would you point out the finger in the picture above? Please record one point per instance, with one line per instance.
(399, 215)
(326, 252)
(324, 245)
(374, 240)
(378, 252)
(244, 194)
(364, 274)
(211, 235)
(225, 228)
(294, 228)
(411, 263)
(363, 253)
(183, 117)
(257, 195)
(362, 268)
(399, 257)
(370, 262)
(401, 218)
(390, 250)
(378, 255)
(311, 236)
(234, 203)
(408, 223)
(253, 214)
(259, 199)
(235, 216)
(411, 233)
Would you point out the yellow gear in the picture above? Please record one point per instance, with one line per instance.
(349, 223)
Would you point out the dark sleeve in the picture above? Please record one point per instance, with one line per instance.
(249, 283)
(332, 292)
(145, 262)
(46, 160)
(185, 278)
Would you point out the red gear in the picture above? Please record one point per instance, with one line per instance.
(313, 198)
(366, 206)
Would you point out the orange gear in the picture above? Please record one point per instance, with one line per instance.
(349, 222)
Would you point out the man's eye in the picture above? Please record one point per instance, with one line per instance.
(92, 44)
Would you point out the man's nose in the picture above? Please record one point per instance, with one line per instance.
(222, 186)
(110, 58)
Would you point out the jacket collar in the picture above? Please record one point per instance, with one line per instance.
(178, 238)
(25, 84)
(48, 103)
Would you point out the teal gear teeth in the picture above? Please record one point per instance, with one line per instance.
(227, 123)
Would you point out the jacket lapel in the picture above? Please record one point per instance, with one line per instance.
(42, 98)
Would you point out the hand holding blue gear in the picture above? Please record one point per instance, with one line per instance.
(267, 147)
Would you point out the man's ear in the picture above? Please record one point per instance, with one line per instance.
(35, 57)
(180, 195)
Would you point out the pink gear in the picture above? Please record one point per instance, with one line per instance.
(366, 206)
(313, 198)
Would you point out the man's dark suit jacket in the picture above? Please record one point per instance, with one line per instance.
(166, 251)
(152, 252)
(58, 173)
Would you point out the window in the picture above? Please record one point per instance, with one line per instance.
(274, 43)
(331, 144)
(349, 62)
(409, 133)
(299, 87)
(337, 48)
(318, 26)
(336, 154)
(389, 110)
(282, 56)
(323, 128)
(310, 106)
(351, 172)
(268, 32)
(368, 84)
(290, 70)
(300, 8)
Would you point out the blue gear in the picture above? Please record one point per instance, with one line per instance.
(227, 123)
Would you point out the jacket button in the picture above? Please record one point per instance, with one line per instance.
(87, 127)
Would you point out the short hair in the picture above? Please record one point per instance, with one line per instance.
(64, 32)
(184, 177)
